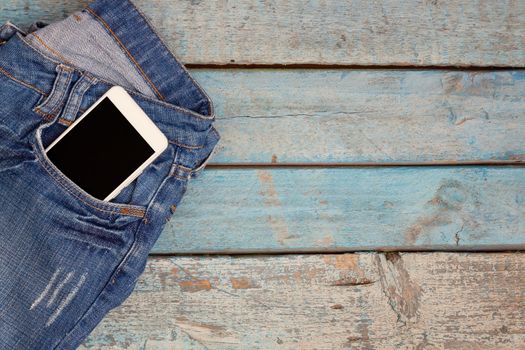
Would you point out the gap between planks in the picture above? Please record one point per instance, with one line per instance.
(439, 163)
(320, 66)
(418, 250)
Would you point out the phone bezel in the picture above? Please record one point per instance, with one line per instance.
(138, 119)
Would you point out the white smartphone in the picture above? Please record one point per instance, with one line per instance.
(109, 146)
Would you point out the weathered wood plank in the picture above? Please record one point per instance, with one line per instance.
(340, 209)
(383, 116)
(361, 301)
(386, 32)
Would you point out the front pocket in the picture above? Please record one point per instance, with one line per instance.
(72, 190)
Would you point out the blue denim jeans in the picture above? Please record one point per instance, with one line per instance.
(66, 258)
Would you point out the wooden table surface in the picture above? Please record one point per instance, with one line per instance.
(349, 128)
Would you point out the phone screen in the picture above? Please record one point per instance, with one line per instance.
(101, 151)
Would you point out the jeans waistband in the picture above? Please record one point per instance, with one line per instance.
(179, 107)
(155, 62)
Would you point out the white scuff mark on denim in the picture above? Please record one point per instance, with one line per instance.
(42, 295)
(66, 301)
(59, 288)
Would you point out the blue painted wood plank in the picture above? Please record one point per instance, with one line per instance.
(316, 301)
(340, 209)
(26, 12)
(386, 32)
(367, 116)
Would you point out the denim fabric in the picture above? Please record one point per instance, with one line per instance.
(67, 258)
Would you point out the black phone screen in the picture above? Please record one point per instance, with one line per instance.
(101, 151)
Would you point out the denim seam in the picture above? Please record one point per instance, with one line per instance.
(180, 177)
(183, 175)
(47, 117)
(164, 104)
(54, 52)
(75, 99)
(52, 94)
(161, 103)
(184, 167)
(23, 83)
(41, 53)
(130, 56)
(190, 147)
(58, 93)
(176, 108)
(65, 122)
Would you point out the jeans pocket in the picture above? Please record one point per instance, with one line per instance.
(71, 191)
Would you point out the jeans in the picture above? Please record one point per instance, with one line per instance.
(67, 258)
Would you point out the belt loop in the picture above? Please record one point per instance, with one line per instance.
(51, 105)
(75, 99)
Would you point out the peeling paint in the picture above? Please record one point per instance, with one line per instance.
(193, 286)
(243, 283)
(402, 293)
(271, 200)
(447, 202)
(342, 261)
(206, 334)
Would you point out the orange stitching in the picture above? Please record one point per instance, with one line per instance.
(59, 105)
(184, 146)
(50, 49)
(46, 116)
(65, 121)
(132, 211)
(128, 53)
(65, 186)
(164, 104)
(23, 83)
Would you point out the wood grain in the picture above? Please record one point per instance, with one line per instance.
(341, 209)
(377, 116)
(359, 301)
(386, 32)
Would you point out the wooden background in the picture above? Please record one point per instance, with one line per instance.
(347, 126)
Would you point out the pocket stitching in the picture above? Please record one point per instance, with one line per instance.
(65, 186)
(123, 209)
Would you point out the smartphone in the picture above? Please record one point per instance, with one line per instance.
(109, 146)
